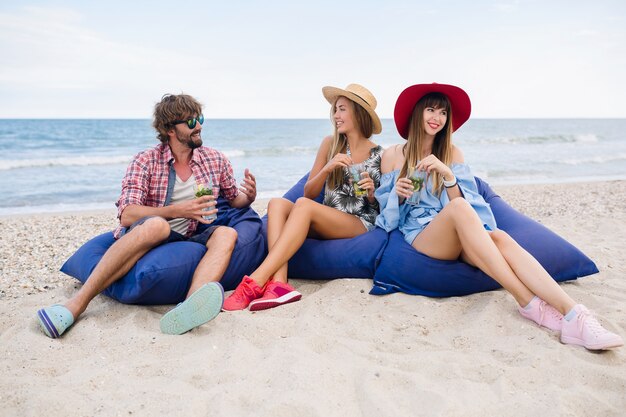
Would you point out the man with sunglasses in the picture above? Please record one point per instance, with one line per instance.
(158, 205)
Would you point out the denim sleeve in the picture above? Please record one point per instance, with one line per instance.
(388, 200)
(467, 185)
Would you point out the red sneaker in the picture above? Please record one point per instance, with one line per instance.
(276, 294)
(246, 291)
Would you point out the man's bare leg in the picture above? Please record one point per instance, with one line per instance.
(213, 264)
(118, 260)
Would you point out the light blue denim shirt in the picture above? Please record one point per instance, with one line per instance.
(411, 220)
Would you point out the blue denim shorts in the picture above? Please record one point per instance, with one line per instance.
(201, 235)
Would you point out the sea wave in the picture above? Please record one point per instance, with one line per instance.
(8, 165)
(576, 138)
(64, 161)
(600, 159)
(233, 153)
(273, 151)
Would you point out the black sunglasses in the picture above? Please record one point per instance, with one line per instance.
(191, 122)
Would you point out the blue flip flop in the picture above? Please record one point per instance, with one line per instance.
(55, 320)
(202, 306)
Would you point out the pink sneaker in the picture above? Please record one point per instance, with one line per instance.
(276, 294)
(246, 291)
(542, 313)
(584, 330)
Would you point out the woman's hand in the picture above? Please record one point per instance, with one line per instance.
(340, 160)
(366, 183)
(432, 164)
(404, 188)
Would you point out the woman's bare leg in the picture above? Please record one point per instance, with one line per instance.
(457, 231)
(531, 273)
(306, 215)
(278, 210)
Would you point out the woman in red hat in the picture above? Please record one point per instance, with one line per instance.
(346, 212)
(429, 193)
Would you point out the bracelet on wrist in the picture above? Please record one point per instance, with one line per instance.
(449, 184)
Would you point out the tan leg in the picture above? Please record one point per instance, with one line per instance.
(213, 264)
(458, 232)
(118, 260)
(306, 216)
(531, 273)
(278, 211)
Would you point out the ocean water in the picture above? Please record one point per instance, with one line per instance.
(58, 165)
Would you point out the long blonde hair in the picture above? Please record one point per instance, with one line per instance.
(442, 146)
(363, 122)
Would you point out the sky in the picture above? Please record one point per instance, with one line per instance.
(270, 59)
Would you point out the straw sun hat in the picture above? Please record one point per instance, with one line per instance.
(358, 94)
(459, 102)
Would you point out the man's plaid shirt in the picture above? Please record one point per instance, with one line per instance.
(147, 177)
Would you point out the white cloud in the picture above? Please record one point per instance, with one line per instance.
(50, 51)
(253, 60)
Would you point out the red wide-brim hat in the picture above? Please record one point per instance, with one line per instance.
(459, 102)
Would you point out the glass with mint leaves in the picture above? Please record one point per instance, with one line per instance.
(355, 171)
(201, 190)
(418, 178)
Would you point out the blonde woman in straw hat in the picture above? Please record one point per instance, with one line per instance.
(450, 220)
(343, 214)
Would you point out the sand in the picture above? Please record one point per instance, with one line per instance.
(339, 351)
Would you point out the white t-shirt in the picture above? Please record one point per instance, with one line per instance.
(183, 191)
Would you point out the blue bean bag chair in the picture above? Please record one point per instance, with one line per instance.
(163, 275)
(403, 269)
(337, 258)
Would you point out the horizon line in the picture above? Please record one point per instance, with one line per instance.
(307, 118)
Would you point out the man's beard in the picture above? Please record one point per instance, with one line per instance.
(189, 141)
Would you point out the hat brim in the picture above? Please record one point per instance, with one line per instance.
(331, 94)
(459, 102)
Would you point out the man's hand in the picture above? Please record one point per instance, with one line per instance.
(248, 186)
(188, 209)
(197, 208)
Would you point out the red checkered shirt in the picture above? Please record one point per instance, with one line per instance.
(147, 178)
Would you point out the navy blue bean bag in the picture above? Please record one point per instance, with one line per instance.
(403, 269)
(337, 258)
(163, 275)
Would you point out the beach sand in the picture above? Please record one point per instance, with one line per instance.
(339, 351)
